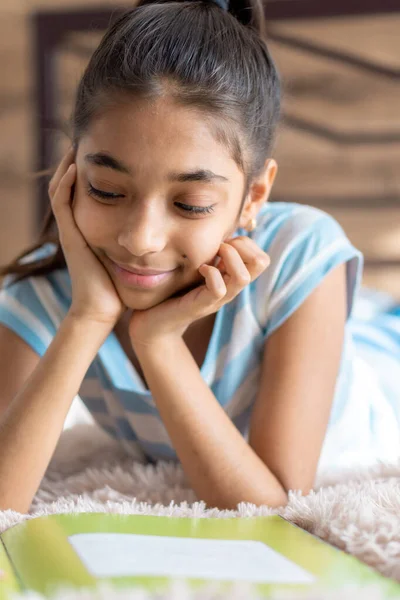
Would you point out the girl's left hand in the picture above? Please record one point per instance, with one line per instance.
(241, 262)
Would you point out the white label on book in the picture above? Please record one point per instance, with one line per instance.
(127, 555)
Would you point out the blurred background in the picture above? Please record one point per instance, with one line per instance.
(338, 146)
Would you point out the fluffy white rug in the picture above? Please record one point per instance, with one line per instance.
(358, 512)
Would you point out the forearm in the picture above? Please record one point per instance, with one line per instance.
(220, 465)
(32, 424)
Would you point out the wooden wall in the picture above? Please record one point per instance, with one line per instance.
(338, 146)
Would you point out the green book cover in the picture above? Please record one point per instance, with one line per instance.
(8, 580)
(82, 549)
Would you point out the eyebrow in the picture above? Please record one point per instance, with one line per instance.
(103, 159)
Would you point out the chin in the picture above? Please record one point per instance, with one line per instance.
(138, 300)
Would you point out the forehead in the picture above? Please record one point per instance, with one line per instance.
(159, 133)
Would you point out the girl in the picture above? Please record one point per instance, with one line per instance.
(196, 321)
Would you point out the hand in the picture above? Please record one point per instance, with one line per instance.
(94, 295)
(241, 262)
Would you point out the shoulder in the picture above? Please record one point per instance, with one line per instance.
(44, 251)
(37, 302)
(300, 239)
(304, 244)
(285, 223)
(58, 278)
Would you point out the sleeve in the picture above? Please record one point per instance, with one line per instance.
(304, 249)
(32, 310)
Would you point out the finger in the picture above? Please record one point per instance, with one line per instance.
(61, 170)
(62, 195)
(237, 275)
(61, 205)
(214, 282)
(255, 259)
(221, 266)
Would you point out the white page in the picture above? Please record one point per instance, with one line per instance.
(125, 554)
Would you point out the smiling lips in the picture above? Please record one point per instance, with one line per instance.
(141, 278)
(144, 271)
(141, 270)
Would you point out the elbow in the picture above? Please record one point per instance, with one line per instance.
(275, 498)
(8, 502)
(233, 504)
(297, 483)
(278, 499)
(295, 480)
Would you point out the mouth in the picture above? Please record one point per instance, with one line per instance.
(142, 270)
(141, 278)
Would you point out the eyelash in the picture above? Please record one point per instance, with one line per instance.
(191, 209)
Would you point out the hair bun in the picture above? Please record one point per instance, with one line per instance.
(224, 4)
(248, 12)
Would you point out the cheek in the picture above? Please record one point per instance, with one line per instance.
(202, 244)
(91, 221)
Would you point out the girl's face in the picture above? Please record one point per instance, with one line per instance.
(172, 195)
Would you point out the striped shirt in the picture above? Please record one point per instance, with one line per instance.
(304, 244)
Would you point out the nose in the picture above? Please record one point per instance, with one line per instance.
(144, 232)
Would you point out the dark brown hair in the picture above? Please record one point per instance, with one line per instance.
(198, 54)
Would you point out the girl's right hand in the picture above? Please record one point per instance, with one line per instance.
(94, 295)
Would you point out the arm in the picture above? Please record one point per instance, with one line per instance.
(299, 372)
(221, 466)
(31, 425)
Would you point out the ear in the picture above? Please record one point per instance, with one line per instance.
(259, 192)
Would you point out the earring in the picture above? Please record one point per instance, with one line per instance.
(252, 224)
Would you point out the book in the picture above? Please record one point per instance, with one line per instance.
(82, 549)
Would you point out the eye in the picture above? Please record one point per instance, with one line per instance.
(92, 191)
(195, 209)
(99, 194)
